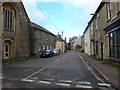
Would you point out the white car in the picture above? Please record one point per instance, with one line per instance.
(56, 51)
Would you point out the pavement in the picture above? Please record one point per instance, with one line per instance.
(109, 73)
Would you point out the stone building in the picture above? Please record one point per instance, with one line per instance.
(77, 42)
(41, 38)
(60, 43)
(113, 30)
(105, 31)
(82, 43)
(87, 42)
(97, 33)
(14, 29)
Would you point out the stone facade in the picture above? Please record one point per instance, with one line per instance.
(113, 30)
(87, 42)
(82, 43)
(15, 30)
(60, 43)
(41, 38)
(105, 31)
(77, 42)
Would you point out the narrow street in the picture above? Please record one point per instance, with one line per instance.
(68, 70)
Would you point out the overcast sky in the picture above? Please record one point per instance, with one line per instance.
(69, 16)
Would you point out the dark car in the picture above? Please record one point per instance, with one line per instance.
(47, 53)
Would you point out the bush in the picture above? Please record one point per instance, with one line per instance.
(78, 47)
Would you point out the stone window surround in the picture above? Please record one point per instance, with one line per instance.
(109, 9)
(10, 19)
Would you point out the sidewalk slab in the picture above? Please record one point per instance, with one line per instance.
(108, 71)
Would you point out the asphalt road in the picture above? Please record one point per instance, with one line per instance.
(68, 70)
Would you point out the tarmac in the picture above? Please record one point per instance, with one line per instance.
(109, 73)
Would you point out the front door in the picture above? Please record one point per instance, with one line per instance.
(101, 50)
(7, 51)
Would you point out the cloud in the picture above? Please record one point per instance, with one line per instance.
(35, 14)
(82, 18)
(72, 3)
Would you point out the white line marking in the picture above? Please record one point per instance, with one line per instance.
(45, 82)
(92, 71)
(82, 86)
(65, 81)
(45, 67)
(35, 78)
(100, 72)
(62, 84)
(84, 82)
(89, 67)
(103, 84)
(1, 77)
(27, 80)
(35, 73)
(49, 79)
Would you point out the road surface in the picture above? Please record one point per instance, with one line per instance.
(68, 70)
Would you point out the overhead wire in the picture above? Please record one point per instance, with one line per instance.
(46, 15)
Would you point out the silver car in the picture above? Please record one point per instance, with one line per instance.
(56, 51)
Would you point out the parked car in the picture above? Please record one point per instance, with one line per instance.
(56, 51)
(47, 53)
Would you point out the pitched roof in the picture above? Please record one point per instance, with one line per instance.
(40, 28)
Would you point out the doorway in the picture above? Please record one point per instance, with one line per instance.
(101, 50)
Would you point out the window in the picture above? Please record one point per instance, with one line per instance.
(96, 23)
(47, 37)
(39, 48)
(47, 46)
(92, 28)
(109, 13)
(50, 47)
(119, 5)
(43, 47)
(8, 19)
(118, 43)
(115, 44)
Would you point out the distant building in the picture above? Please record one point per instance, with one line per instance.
(77, 41)
(82, 43)
(41, 38)
(71, 41)
(60, 43)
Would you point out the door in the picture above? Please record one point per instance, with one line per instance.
(7, 51)
(101, 50)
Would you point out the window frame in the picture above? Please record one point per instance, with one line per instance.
(109, 10)
(8, 19)
(6, 52)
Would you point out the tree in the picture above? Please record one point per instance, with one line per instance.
(78, 47)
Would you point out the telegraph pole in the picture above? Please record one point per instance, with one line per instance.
(62, 41)
(1, 19)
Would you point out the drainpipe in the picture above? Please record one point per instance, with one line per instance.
(1, 29)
